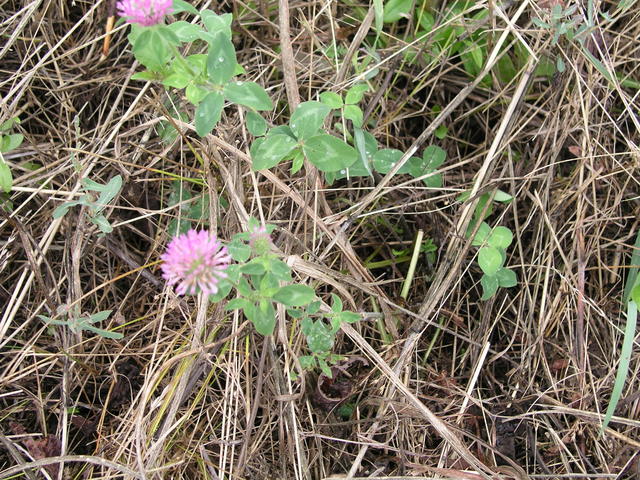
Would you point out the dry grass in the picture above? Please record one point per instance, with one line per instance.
(443, 384)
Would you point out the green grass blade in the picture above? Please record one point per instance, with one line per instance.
(623, 367)
(633, 271)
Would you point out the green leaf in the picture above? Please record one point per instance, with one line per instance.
(502, 197)
(433, 157)
(355, 94)
(237, 304)
(625, 360)
(11, 142)
(489, 286)
(384, 160)
(297, 162)
(99, 316)
(350, 317)
(336, 305)
(394, 10)
(635, 294)
(167, 35)
(179, 78)
(501, 237)
(109, 192)
(319, 337)
(252, 268)
(307, 362)
(507, 278)
(490, 260)
(249, 94)
(146, 76)
(313, 307)
(632, 277)
(151, 50)
(331, 99)
(102, 223)
(354, 113)
(8, 124)
(217, 23)
(182, 6)
(6, 179)
(264, 319)
(441, 132)
(295, 313)
(208, 113)
(239, 251)
(185, 31)
(328, 153)
(506, 70)
(256, 124)
(325, 368)
(103, 333)
(378, 15)
(221, 61)
(282, 130)
(272, 150)
(195, 94)
(294, 295)
(308, 118)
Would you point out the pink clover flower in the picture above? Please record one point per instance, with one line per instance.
(144, 12)
(195, 261)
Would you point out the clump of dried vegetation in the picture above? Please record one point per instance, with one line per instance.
(437, 384)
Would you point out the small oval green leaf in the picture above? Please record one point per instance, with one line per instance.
(294, 295)
(208, 113)
(490, 260)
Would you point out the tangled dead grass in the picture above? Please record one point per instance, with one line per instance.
(438, 385)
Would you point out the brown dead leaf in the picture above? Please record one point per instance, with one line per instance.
(331, 392)
(39, 448)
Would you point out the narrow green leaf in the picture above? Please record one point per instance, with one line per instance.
(378, 10)
(623, 366)
(6, 179)
(634, 265)
(103, 333)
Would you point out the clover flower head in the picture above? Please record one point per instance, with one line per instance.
(144, 12)
(260, 240)
(195, 261)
